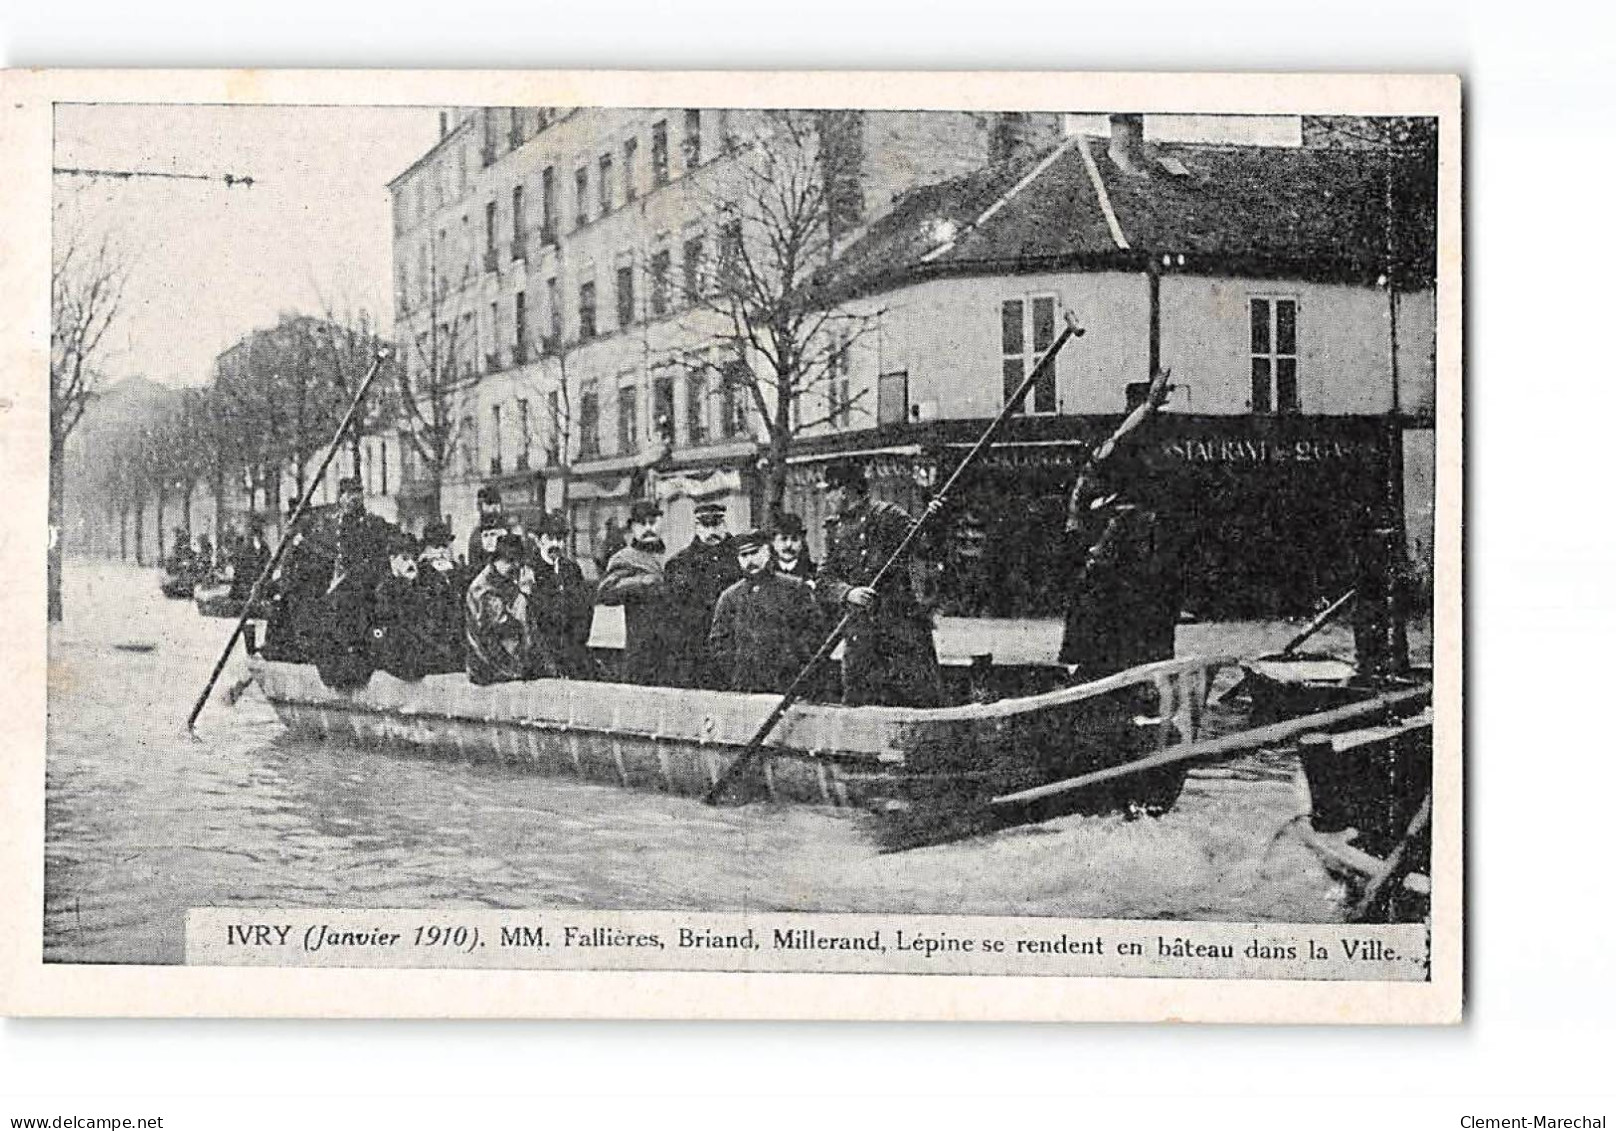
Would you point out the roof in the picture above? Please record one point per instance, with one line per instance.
(1315, 213)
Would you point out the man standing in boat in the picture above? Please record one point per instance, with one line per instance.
(1122, 606)
(559, 610)
(766, 626)
(361, 561)
(492, 525)
(696, 576)
(634, 579)
(497, 635)
(890, 657)
(790, 549)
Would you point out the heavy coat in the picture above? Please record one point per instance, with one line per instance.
(361, 562)
(807, 569)
(497, 640)
(297, 598)
(484, 537)
(765, 628)
(890, 657)
(559, 614)
(441, 587)
(1123, 604)
(398, 629)
(697, 575)
(634, 579)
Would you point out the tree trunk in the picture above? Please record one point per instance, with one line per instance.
(53, 554)
(140, 532)
(123, 533)
(162, 496)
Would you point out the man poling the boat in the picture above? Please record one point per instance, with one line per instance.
(890, 657)
(344, 651)
(803, 682)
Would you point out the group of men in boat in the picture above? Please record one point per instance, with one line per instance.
(731, 611)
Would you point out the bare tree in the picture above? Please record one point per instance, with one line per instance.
(782, 209)
(434, 363)
(87, 284)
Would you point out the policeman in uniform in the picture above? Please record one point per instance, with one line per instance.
(890, 657)
(696, 576)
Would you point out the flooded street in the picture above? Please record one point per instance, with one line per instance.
(144, 821)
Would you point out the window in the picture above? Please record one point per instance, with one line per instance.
(468, 445)
(839, 386)
(628, 417)
(730, 252)
(662, 409)
(625, 296)
(692, 138)
(552, 439)
(489, 133)
(661, 267)
(382, 463)
(518, 224)
(606, 189)
(552, 299)
(696, 407)
(524, 434)
(547, 205)
(490, 231)
(424, 276)
(589, 420)
(659, 153)
(586, 311)
(693, 285)
(1027, 330)
(631, 153)
(493, 359)
(1273, 355)
(518, 127)
(733, 402)
(521, 327)
(581, 191)
(892, 398)
(467, 343)
(496, 454)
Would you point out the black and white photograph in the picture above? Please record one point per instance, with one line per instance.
(1014, 542)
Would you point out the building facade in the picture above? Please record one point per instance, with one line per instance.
(550, 266)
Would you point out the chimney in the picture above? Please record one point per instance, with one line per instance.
(1127, 148)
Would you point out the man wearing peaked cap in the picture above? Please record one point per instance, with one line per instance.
(362, 541)
(696, 576)
(766, 626)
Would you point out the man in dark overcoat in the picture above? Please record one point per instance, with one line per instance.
(890, 657)
(696, 576)
(560, 608)
(442, 586)
(791, 555)
(362, 540)
(497, 636)
(766, 626)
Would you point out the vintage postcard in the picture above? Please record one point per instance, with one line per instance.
(953, 546)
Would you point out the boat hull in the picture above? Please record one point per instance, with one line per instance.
(681, 741)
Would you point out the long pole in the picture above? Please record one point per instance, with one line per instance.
(792, 692)
(286, 539)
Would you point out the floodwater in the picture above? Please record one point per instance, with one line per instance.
(144, 821)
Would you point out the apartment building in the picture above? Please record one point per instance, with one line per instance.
(550, 266)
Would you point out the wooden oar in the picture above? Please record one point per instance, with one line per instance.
(1294, 643)
(795, 689)
(1216, 747)
(286, 540)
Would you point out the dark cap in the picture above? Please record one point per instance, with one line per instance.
(350, 485)
(552, 523)
(710, 512)
(436, 533)
(488, 496)
(644, 510)
(749, 540)
(510, 547)
(400, 542)
(790, 524)
(846, 473)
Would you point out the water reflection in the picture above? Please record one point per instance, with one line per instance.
(144, 821)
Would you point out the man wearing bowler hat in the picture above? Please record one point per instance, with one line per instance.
(497, 636)
(791, 549)
(635, 580)
(890, 657)
(559, 605)
(492, 524)
(696, 576)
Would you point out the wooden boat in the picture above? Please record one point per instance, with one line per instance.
(679, 741)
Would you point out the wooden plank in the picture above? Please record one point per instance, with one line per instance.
(1218, 747)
